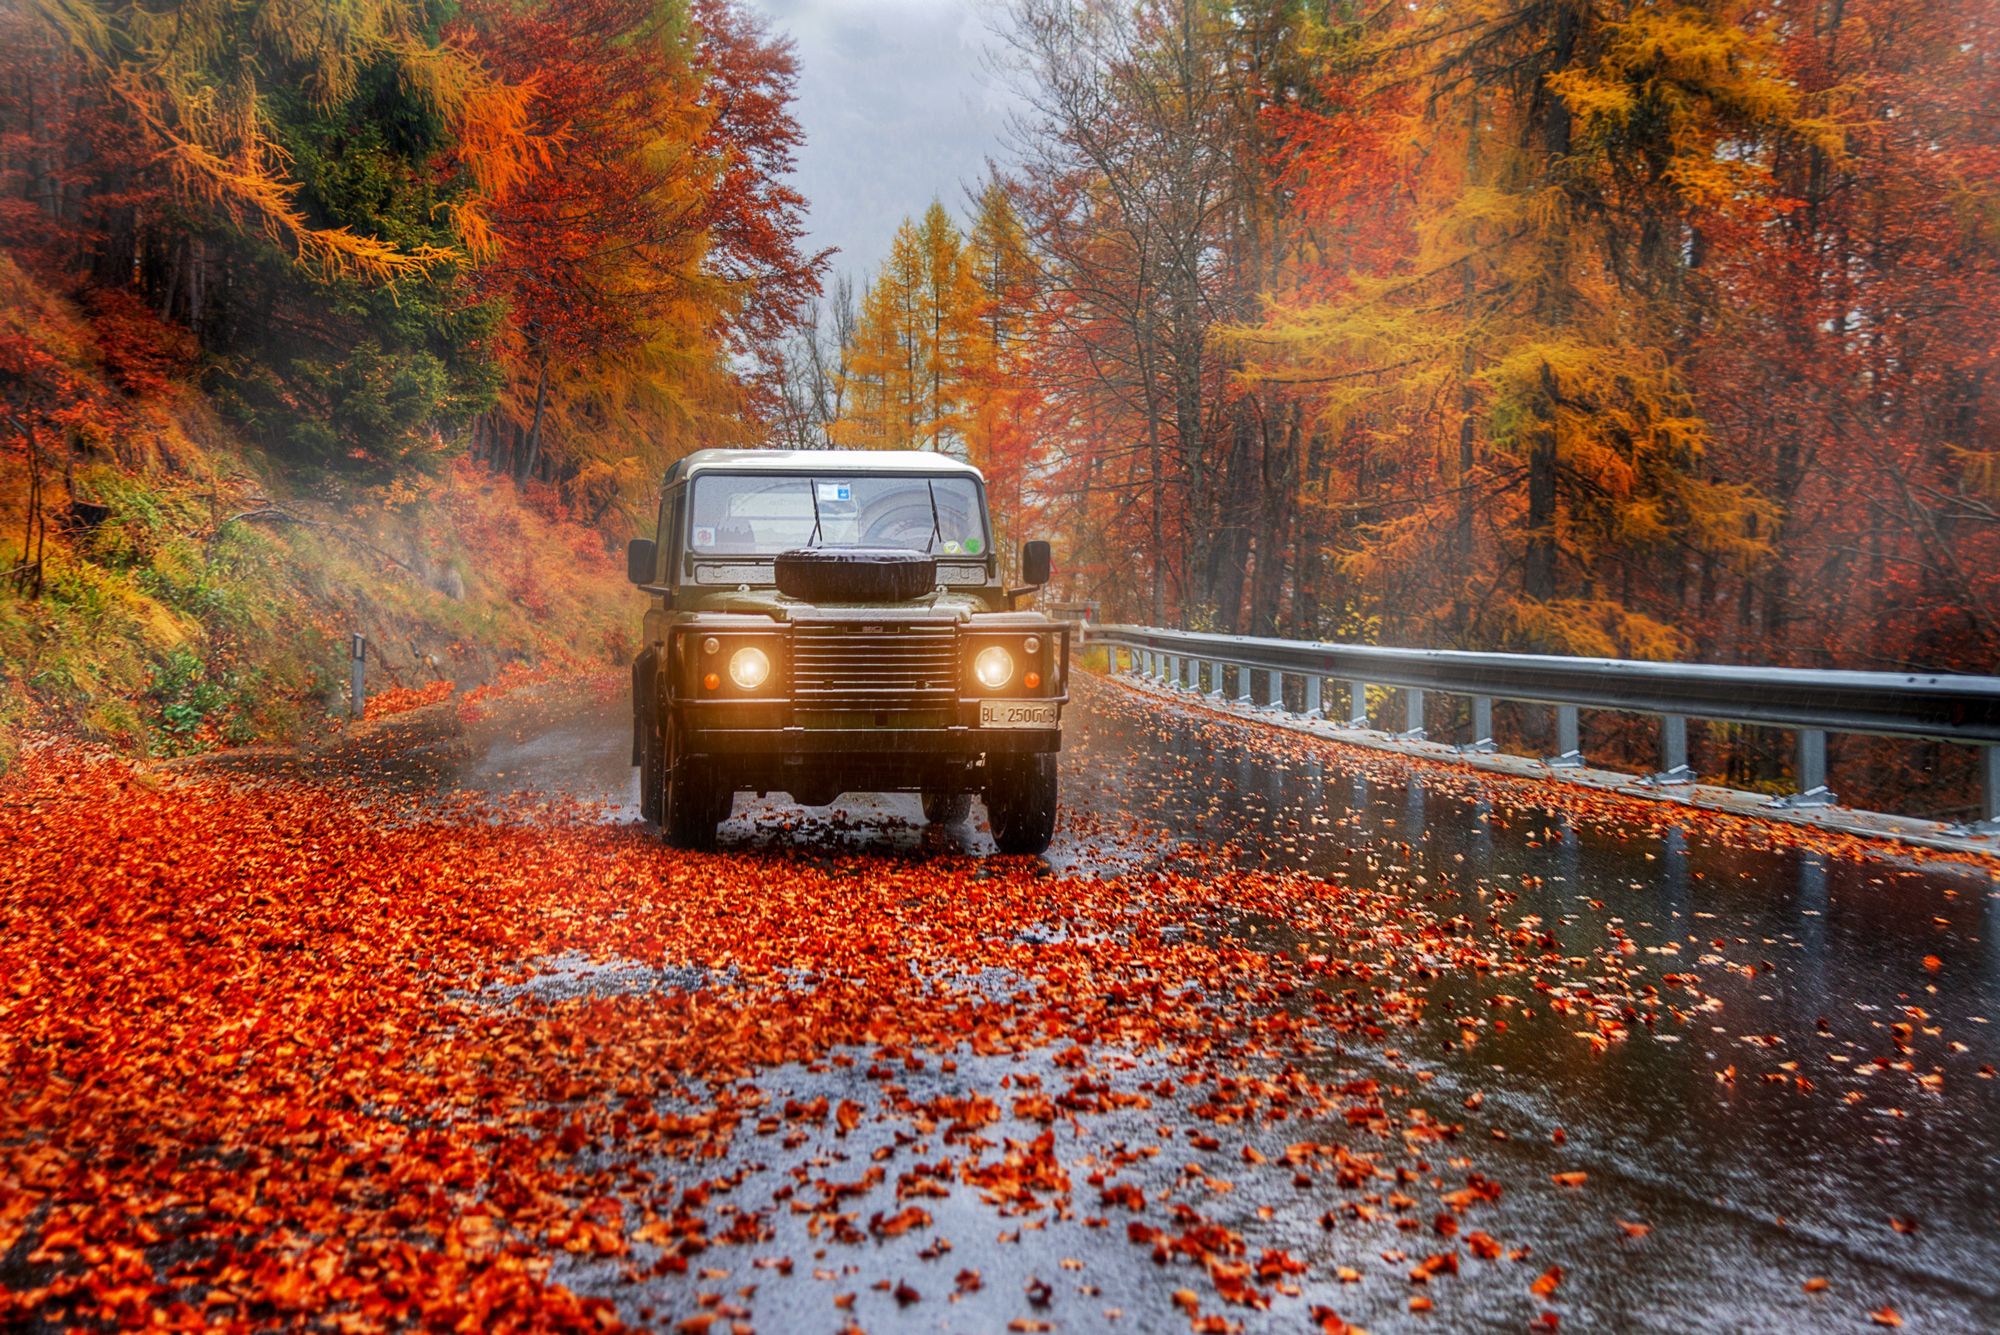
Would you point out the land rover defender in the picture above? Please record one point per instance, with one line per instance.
(835, 621)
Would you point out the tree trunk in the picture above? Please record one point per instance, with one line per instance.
(534, 441)
(1539, 565)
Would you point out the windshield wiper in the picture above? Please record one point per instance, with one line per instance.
(812, 492)
(937, 527)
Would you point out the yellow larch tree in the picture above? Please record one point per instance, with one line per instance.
(1513, 373)
(919, 345)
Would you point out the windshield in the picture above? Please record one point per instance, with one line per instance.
(760, 515)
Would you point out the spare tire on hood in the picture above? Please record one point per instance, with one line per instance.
(855, 574)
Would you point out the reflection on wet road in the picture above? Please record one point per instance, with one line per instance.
(1770, 1067)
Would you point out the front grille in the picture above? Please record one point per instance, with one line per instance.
(881, 667)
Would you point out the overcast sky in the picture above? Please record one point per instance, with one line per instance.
(898, 108)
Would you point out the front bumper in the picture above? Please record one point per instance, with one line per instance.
(815, 764)
(969, 743)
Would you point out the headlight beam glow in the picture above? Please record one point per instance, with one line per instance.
(749, 667)
(994, 667)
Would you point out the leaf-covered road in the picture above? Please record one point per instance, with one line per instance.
(1276, 1037)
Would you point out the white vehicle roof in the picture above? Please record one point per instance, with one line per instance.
(819, 461)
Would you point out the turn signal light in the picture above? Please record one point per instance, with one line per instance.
(1032, 680)
(711, 682)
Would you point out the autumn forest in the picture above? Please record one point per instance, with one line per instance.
(1625, 329)
(1658, 331)
(407, 923)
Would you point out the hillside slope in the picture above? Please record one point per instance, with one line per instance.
(191, 594)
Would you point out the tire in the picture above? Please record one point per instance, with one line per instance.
(947, 808)
(652, 773)
(1021, 801)
(691, 803)
(854, 574)
(648, 752)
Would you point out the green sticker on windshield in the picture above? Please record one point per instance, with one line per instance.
(972, 546)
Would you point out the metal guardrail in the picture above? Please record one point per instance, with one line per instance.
(1073, 611)
(1963, 710)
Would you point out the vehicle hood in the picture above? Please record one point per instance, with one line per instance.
(952, 605)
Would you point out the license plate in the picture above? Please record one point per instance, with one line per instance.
(1018, 714)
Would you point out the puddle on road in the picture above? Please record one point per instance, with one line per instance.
(1830, 1073)
(566, 977)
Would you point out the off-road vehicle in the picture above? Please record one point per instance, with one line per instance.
(835, 621)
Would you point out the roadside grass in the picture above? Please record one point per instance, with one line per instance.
(197, 593)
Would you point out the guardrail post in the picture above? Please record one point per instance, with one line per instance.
(1313, 683)
(1810, 764)
(1989, 793)
(1569, 750)
(1357, 704)
(1413, 716)
(357, 695)
(1482, 727)
(1215, 680)
(1673, 769)
(1245, 692)
(1276, 681)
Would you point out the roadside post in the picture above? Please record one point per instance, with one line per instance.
(357, 653)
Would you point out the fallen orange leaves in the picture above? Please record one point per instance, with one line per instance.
(321, 1026)
(899, 1223)
(276, 1003)
(402, 699)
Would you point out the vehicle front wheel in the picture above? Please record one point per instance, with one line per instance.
(691, 802)
(652, 774)
(1021, 801)
(947, 808)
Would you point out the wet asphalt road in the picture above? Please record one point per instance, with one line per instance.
(1789, 1130)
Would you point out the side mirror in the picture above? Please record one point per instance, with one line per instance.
(642, 560)
(1036, 562)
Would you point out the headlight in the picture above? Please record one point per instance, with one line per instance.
(749, 667)
(994, 667)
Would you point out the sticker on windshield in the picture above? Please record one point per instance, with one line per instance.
(836, 491)
(951, 548)
(704, 537)
(972, 546)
